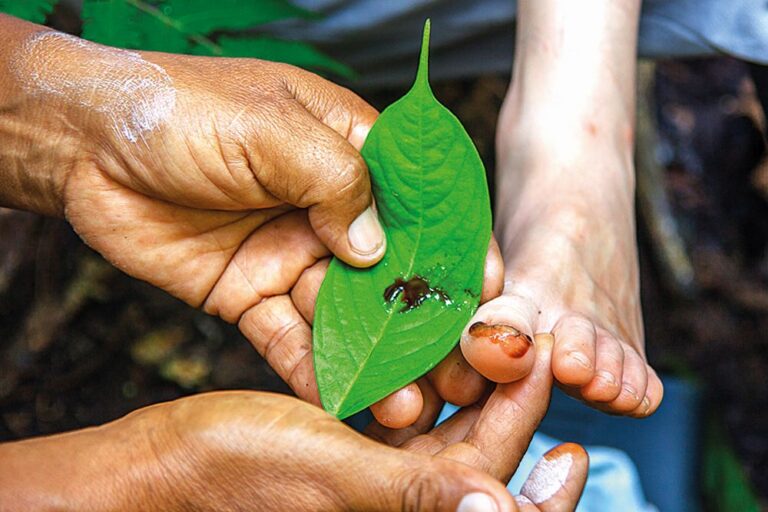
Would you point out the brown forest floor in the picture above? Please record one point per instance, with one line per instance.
(81, 343)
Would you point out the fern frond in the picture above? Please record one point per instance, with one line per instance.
(31, 10)
(204, 16)
(291, 52)
(184, 26)
(112, 22)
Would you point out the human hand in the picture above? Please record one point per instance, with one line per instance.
(280, 329)
(222, 181)
(167, 164)
(259, 451)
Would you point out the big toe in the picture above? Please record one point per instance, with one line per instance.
(498, 341)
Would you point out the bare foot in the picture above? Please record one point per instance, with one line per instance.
(565, 224)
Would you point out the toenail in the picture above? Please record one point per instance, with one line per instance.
(581, 359)
(631, 391)
(477, 502)
(607, 377)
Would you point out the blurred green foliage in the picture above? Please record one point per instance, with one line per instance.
(32, 10)
(198, 27)
(725, 485)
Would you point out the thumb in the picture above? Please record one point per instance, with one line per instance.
(332, 178)
(422, 483)
(316, 168)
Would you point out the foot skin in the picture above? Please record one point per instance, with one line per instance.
(565, 224)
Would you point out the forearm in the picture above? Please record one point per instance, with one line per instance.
(38, 141)
(96, 469)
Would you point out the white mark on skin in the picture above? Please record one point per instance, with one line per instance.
(547, 478)
(523, 500)
(135, 95)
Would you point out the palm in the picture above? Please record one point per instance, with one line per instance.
(235, 264)
(181, 250)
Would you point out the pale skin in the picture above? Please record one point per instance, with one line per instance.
(565, 215)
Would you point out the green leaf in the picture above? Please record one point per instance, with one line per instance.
(432, 198)
(35, 11)
(725, 484)
(291, 52)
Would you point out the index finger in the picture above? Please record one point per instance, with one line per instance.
(499, 437)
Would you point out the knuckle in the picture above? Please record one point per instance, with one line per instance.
(580, 323)
(422, 492)
(611, 352)
(351, 179)
(345, 178)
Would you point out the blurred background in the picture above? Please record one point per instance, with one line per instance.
(81, 343)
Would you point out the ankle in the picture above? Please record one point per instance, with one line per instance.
(564, 134)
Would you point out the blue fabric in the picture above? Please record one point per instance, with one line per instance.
(380, 38)
(612, 485)
(665, 448)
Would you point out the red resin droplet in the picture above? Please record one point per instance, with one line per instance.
(413, 292)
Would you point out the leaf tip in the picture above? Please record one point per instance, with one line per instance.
(422, 75)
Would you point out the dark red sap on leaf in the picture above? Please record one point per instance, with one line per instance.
(413, 292)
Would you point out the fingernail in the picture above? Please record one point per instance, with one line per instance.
(358, 135)
(646, 404)
(607, 377)
(632, 391)
(365, 233)
(513, 342)
(477, 502)
(581, 359)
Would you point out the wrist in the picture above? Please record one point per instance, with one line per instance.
(35, 159)
(39, 136)
(104, 468)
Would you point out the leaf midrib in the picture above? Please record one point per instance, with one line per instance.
(392, 312)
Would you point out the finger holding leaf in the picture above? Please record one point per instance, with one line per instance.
(377, 330)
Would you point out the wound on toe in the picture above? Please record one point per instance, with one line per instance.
(512, 342)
